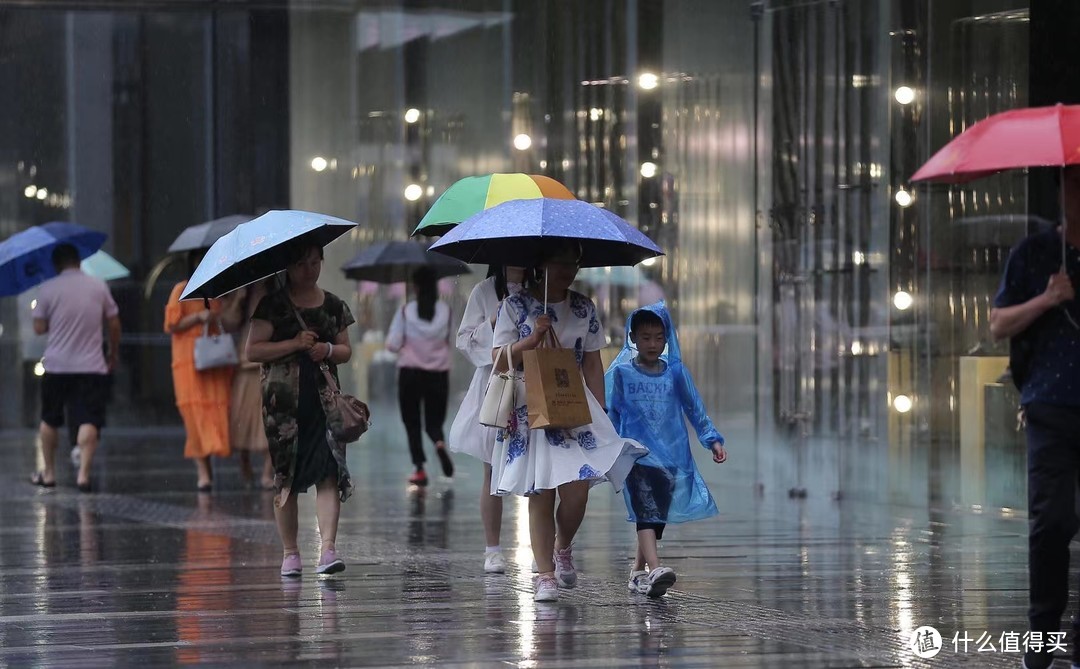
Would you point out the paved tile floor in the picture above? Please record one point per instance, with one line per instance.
(147, 572)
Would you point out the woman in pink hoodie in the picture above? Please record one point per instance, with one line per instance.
(420, 335)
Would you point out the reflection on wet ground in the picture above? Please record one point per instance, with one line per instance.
(148, 571)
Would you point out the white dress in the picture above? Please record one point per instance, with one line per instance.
(526, 461)
(474, 337)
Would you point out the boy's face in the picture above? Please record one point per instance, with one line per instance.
(650, 341)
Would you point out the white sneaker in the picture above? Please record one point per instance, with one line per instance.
(494, 563)
(660, 580)
(565, 571)
(639, 582)
(547, 589)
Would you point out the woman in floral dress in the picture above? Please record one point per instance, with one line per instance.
(297, 405)
(537, 463)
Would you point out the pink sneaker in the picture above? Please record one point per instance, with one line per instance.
(290, 566)
(330, 563)
(565, 571)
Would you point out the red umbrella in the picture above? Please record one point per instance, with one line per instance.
(1032, 137)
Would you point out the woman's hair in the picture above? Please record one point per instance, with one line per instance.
(296, 253)
(499, 272)
(427, 292)
(534, 276)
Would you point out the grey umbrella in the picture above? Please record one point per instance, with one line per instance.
(395, 261)
(202, 236)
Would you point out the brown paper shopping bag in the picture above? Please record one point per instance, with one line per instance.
(554, 389)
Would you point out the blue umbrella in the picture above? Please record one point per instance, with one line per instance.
(105, 267)
(521, 232)
(26, 256)
(258, 249)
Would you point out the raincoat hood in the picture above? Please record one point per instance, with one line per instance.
(672, 354)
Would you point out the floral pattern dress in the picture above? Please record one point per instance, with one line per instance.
(298, 407)
(526, 461)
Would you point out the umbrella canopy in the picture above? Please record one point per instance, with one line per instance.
(471, 195)
(259, 248)
(395, 261)
(521, 232)
(202, 236)
(26, 256)
(1031, 137)
(105, 267)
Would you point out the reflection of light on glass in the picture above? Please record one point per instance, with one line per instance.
(902, 403)
(565, 163)
(42, 193)
(648, 81)
(596, 114)
(856, 348)
(33, 304)
(413, 192)
(905, 95)
(903, 300)
(543, 164)
(858, 258)
(1, 330)
(430, 191)
(522, 142)
(412, 115)
(648, 169)
(30, 191)
(318, 163)
(903, 198)
(39, 369)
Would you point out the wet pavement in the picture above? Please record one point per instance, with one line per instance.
(146, 571)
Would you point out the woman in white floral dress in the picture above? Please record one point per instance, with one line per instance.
(536, 463)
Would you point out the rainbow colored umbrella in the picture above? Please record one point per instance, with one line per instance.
(473, 195)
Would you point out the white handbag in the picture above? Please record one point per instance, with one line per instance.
(499, 398)
(213, 351)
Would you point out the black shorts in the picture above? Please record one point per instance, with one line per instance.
(82, 396)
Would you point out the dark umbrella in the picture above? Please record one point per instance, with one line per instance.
(521, 232)
(395, 261)
(258, 249)
(202, 236)
(26, 256)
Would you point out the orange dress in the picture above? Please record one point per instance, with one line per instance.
(201, 397)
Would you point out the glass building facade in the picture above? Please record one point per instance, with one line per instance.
(834, 315)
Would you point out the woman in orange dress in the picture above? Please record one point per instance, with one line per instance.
(202, 397)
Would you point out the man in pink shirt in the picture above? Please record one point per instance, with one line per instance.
(74, 309)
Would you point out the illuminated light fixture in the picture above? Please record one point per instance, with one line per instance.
(905, 95)
(318, 163)
(413, 192)
(596, 114)
(522, 142)
(412, 115)
(903, 300)
(902, 403)
(648, 169)
(858, 258)
(648, 81)
(904, 198)
(648, 262)
(30, 191)
(42, 193)
(856, 348)
(39, 369)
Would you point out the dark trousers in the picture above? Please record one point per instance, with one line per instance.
(1053, 436)
(419, 389)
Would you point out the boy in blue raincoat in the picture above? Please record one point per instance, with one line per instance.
(647, 396)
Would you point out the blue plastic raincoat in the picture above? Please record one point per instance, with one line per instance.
(665, 486)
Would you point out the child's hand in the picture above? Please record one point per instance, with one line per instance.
(719, 455)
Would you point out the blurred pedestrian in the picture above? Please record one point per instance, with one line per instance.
(420, 335)
(467, 435)
(202, 397)
(246, 432)
(1036, 308)
(74, 309)
(539, 463)
(296, 401)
